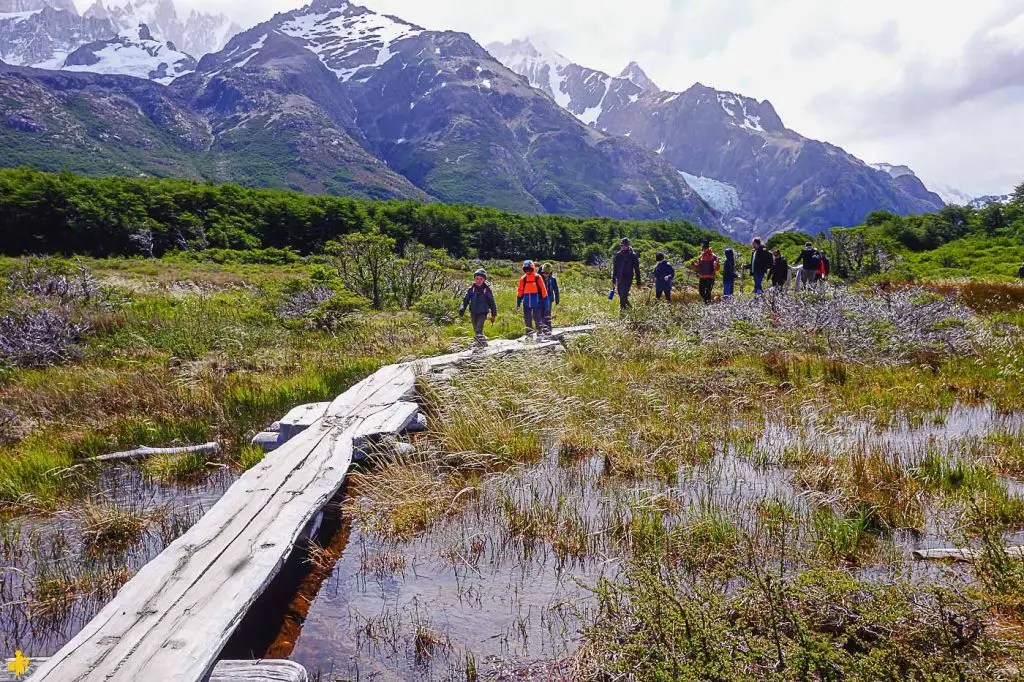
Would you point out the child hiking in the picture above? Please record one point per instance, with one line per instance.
(551, 284)
(664, 275)
(479, 299)
(728, 275)
(531, 297)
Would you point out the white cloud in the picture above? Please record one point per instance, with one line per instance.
(935, 84)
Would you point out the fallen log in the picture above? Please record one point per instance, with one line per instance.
(961, 554)
(149, 452)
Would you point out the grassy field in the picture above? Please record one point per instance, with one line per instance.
(736, 488)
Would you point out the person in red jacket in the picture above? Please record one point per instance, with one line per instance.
(706, 266)
(532, 297)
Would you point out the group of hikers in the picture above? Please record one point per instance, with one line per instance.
(538, 288)
(813, 266)
(537, 293)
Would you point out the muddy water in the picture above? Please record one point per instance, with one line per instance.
(466, 594)
(52, 582)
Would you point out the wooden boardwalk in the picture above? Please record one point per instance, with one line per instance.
(172, 619)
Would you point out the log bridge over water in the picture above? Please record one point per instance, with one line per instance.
(171, 621)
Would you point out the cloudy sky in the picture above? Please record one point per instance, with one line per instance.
(934, 84)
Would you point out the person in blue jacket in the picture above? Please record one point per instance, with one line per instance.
(547, 273)
(728, 274)
(664, 275)
(479, 299)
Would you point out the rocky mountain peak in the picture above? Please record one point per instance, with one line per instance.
(639, 78)
(18, 6)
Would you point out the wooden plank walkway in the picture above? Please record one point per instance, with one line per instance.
(172, 619)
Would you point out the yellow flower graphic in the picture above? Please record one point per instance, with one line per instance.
(19, 664)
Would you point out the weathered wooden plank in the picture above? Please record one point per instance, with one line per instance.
(125, 638)
(962, 553)
(299, 419)
(391, 420)
(266, 670)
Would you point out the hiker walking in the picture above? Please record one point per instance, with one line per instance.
(706, 266)
(810, 264)
(780, 271)
(625, 266)
(531, 297)
(826, 267)
(760, 265)
(1020, 273)
(551, 284)
(479, 299)
(729, 275)
(664, 275)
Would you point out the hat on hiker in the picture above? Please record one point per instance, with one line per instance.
(659, 256)
(546, 267)
(480, 273)
(624, 242)
(808, 245)
(527, 264)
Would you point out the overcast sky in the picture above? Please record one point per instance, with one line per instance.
(934, 84)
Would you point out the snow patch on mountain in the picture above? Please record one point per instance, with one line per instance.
(542, 66)
(348, 38)
(132, 52)
(18, 17)
(198, 34)
(740, 116)
(721, 196)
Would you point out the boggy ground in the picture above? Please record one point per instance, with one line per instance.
(722, 492)
(98, 356)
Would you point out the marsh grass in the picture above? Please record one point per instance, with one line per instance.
(106, 526)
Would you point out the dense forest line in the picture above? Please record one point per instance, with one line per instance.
(116, 216)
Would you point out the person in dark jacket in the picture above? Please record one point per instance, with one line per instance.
(664, 275)
(728, 274)
(547, 273)
(810, 263)
(1020, 273)
(625, 266)
(780, 271)
(760, 265)
(479, 299)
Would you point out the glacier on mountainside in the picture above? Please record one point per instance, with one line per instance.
(721, 196)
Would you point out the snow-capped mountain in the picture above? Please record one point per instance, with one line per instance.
(198, 34)
(133, 52)
(42, 33)
(436, 108)
(735, 150)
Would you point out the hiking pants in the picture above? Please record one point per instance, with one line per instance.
(705, 287)
(806, 278)
(727, 287)
(547, 318)
(663, 288)
(478, 328)
(624, 288)
(758, 283)
(534, 319)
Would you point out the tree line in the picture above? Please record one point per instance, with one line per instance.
(116, 216)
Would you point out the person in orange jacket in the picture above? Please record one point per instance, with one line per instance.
(706, 266)
(532, 297)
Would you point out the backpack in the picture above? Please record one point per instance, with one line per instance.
(814, 262)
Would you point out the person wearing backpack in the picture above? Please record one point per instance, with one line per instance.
(826, 267)
(664, 275)
(706, 266)
(728, 275)
(810, 263)
(479, 299)
(625, 265)
(531, 297)
(551, 284)
(760, 265)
